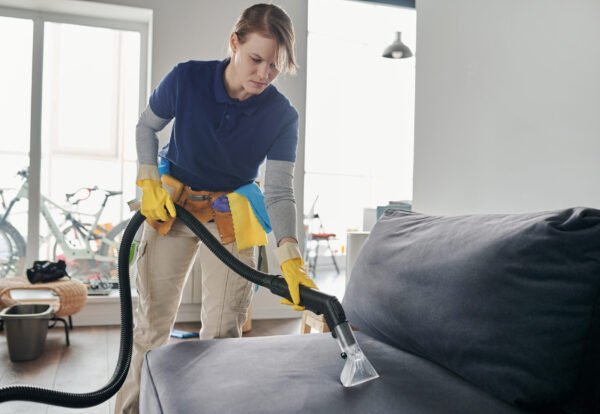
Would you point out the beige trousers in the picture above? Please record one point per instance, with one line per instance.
(162, 265)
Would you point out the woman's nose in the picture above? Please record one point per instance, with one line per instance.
(264, 71)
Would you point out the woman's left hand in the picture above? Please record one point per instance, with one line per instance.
(294, 273)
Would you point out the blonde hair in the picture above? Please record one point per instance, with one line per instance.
(271, 21)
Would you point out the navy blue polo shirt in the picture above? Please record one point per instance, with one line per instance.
(217, 142)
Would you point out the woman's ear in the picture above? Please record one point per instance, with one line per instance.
(233, 42)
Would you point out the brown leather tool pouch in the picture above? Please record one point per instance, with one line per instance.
(224, 222)
(173, 186)
(162, 227)
(199, 203)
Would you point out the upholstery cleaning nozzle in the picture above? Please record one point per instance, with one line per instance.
(357, 368)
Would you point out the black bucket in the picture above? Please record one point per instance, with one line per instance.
(26, 329)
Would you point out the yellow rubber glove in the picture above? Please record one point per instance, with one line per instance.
(294, 273)
(156, 201)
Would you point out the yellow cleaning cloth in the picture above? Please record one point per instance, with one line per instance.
(248, 231)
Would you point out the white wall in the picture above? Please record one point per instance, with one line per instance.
(507, 105)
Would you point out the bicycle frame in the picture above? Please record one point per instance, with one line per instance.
(70, 252)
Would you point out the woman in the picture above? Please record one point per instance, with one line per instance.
(228, 119)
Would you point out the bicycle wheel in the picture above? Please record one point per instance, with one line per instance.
(12, 251)
(79, 268)
(110, 247)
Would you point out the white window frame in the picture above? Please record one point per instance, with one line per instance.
(78, 13)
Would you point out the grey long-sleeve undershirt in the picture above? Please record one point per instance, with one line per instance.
(279, 175)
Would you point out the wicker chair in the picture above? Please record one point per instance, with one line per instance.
(71, 296)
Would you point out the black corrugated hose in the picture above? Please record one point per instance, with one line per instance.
(314, 300)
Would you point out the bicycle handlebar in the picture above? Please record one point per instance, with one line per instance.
(24, 174)
(90, 190)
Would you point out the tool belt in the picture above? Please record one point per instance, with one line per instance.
(199, 204)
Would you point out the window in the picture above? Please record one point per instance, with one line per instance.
(90, 108)
(16, 47)
(72, 94)
(360, 111)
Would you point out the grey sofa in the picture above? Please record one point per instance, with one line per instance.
(466, 314)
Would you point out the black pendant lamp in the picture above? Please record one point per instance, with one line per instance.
(397, 50)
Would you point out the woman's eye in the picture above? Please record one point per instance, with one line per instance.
(256, 60)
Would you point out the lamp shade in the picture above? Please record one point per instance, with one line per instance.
(397, 50)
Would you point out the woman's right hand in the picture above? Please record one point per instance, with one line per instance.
(156, 201)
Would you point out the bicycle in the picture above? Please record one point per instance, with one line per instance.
(89, 249)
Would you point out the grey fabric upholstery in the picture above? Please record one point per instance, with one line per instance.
(508, 302)
(300, 374)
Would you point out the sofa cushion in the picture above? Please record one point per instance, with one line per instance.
(300, 374)
(508, 302)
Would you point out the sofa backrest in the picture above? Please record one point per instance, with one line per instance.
(508, 302)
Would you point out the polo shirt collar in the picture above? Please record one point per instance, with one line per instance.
(247, 106)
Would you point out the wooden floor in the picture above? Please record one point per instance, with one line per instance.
(90, 361)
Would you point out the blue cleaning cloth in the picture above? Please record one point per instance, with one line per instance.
(257, 201)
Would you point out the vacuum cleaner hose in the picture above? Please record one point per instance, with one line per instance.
(318, 302)
(73, 400)
(313, 300)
